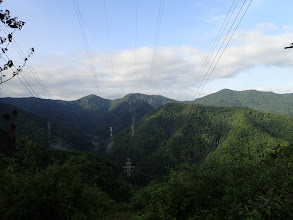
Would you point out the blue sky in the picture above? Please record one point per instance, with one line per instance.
(254, 59)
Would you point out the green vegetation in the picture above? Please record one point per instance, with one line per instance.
(238, 189)
(261, 101)
(185, 133)
(74, 122)
(155, 101)
(35, 127)
(191, 162)
(42, 183)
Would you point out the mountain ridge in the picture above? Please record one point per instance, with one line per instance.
(180, 133)
(257, 100)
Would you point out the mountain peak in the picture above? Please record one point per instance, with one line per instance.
(258, 100)
(93, 103)
(154, 100)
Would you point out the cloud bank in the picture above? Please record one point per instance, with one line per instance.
(173, 74)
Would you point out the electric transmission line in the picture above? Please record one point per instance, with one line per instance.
(30, 67)
(26, 84)
(225, 47)
(155, 47)
(135, 48)
(108, 37)
(213, 47)
(208, 72)
(19, 74)
(85, 40)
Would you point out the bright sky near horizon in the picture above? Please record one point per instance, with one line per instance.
(254, 59)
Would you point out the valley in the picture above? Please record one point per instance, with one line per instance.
(233, 152)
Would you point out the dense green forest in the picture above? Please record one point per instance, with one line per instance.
(185, 133)
(261, 101)
(41, 183)
(191, 162)
(89, 117)
(35, 127)
(228, 155)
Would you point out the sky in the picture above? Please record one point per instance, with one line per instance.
(132, 51)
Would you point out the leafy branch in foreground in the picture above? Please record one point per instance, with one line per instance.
(14, 24)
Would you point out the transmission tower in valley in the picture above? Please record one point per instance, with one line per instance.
(128, 168)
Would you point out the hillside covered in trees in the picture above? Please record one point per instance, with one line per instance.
(261, 101)
(185, 133)
(191, 162)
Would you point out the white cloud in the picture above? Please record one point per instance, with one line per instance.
(173, 74)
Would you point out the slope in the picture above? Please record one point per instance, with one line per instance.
(79, 114)
(155, 101)
(35, 127)
(262, 101)
(180, 133)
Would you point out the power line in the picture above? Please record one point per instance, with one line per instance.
(30, 67)
(16, 73)
(22, 77)
(155, 47)
(85, 40)
(31, 90)
(213, 47)
(135, 47)
(25, 86)
(225, 47)
(209, 74)
(10, 64)
(108, 36)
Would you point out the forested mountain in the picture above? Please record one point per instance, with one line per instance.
(84, 113)
(153, 100)
(191, 162)
(180, 133)
(80, 114)
(262, 101)
(89, 118)
(35, 127)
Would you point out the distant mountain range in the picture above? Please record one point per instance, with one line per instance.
(89, 117)
(87, 120)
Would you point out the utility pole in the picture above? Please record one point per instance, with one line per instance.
(128, 167)
(49, 129)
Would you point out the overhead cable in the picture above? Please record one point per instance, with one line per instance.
(85, 40)
(155, 47)
(213, 47)
(135, 48)
(30, 67)
(108, 36)
(225, 47)
(208, 73)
